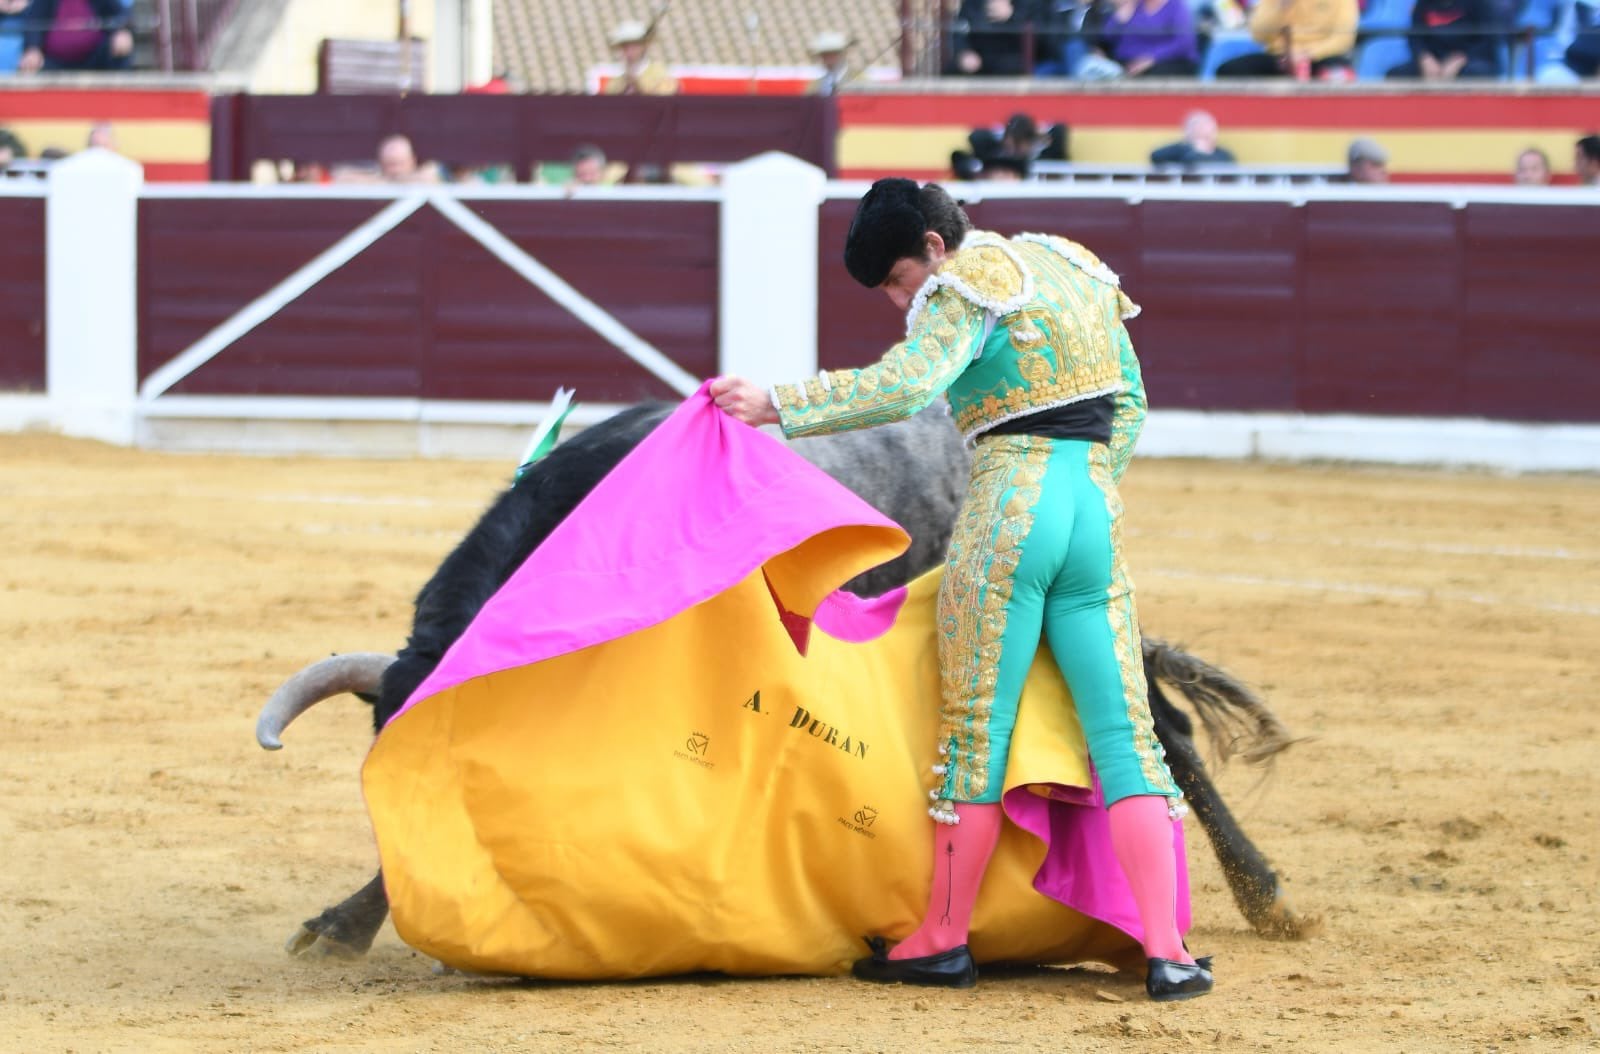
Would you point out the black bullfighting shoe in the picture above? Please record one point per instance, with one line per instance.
(1170, 981)
(951, 969)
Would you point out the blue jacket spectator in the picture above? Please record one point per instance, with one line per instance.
(76, 35)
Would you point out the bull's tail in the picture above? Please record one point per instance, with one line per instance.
(1238, 722)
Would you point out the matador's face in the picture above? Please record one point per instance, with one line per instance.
(910, 273)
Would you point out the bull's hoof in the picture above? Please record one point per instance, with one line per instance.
(307, 943)
(1278, 921)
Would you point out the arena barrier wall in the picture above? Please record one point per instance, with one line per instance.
(1401, 324)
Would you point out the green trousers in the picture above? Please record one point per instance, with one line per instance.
(1037, 554)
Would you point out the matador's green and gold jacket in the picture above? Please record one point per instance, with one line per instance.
(1004, 328)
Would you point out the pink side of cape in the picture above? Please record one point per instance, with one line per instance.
(634, 553)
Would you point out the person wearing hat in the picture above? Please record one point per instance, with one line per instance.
(640, 75)
(1025, 338)
(1367, 162)
(829, 50)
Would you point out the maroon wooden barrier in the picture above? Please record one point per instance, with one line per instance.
(1397, 308)
(519, 130)
(427, 312)
(22, 303)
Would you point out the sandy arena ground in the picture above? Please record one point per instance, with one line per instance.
(1433, 634)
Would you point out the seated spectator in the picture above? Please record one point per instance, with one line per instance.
(1367, 162)
(1533, 168)
(1451, 39)
(1198, 146)
(1583, 54)
(640, 74)
(991, 37)
(588, 167)
(77, 35)
(1151, 38)
(1302, 38)
(102, 136)
(829, 50)
(397, 163)
(1586, 160)
(11, 149)
(1020, 138)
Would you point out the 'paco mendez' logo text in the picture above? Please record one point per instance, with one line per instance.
(695, 749)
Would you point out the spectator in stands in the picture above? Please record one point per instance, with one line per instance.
(588, 166)
(991, 37)
(829, 50)
(1302, 38)
(1020, 138)
(1198, 145)
(77, 35)
(1586, 160)
(640, 74)
(1451, 39)
(102, 136)
(397, 163)
(13, 24)
(1151, 38)
(11, 149)
(1533, 168)
(1367, 162)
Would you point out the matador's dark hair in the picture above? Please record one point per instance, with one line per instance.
(890, 223)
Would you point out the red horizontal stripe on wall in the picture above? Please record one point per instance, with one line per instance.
(176, 172)
(122, 105)
(1366, 110)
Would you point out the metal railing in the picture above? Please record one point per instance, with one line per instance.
(187, 31)
(1207, 174)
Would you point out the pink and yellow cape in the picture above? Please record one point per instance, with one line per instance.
(640, 760)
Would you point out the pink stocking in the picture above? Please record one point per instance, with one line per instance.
(960, 854)
(1141, 835)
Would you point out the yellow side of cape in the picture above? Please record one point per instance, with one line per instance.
(697, 796)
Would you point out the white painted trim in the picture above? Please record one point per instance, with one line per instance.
(278, 297)
(1459, 442)
(91, 294)
(340, 408)
(767, 269)
(27, 412)
(465, 192)
(23, 188)
(1456, 196)
(557, 289)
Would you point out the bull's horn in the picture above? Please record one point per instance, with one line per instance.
(358, 671)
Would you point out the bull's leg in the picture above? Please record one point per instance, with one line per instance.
(344, 931)
(1255, 886)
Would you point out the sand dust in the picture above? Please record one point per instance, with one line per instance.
(1434, 635)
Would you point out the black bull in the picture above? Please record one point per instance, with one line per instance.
(914, 472)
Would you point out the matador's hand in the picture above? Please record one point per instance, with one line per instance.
(740, 398)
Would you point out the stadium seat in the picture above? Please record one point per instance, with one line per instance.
(1225, 46)
(1552, 26)
(1387, 14)
(1378, 56)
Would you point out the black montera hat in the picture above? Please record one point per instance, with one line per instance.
(888, 225)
